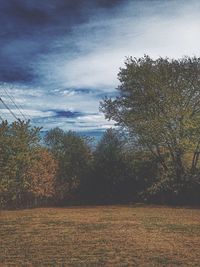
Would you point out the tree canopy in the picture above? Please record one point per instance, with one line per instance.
(73, 155)
(158, 103)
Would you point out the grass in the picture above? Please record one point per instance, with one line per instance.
(100, 236)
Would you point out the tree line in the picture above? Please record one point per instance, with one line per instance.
(152, 155)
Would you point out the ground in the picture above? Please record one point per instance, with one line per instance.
(135, 235)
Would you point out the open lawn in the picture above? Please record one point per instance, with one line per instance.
(135, 235)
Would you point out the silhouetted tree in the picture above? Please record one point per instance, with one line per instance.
(111, 172)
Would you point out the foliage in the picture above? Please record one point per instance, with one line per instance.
(158, 104)
(113, 176)
(23, 165)
(42, 173)
(73, 155)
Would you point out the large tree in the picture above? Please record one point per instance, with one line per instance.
(159, 104)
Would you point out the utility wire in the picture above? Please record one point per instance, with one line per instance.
(7, 107)
(13, 101)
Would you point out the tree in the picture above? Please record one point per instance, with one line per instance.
(42, 173)
(158, 104)
(73, 155)
(111, 173)
(18, 142)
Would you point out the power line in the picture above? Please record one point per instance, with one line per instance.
(7, 107)
(13, 101)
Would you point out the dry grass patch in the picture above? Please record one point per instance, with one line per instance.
(100, 236)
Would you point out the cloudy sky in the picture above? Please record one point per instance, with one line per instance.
(59, 58)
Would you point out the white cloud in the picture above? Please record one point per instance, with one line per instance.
(169, 29)
(83, 123)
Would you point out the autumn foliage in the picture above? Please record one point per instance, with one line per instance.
(27, 171)
(42, 174)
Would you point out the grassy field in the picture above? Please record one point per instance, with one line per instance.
(100, 236)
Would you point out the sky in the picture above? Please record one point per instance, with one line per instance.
(58, 59)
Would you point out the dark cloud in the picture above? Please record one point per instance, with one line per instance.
(25, 14)
(17, 74)
(110, 4)
(67, 113)
(29, 30)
